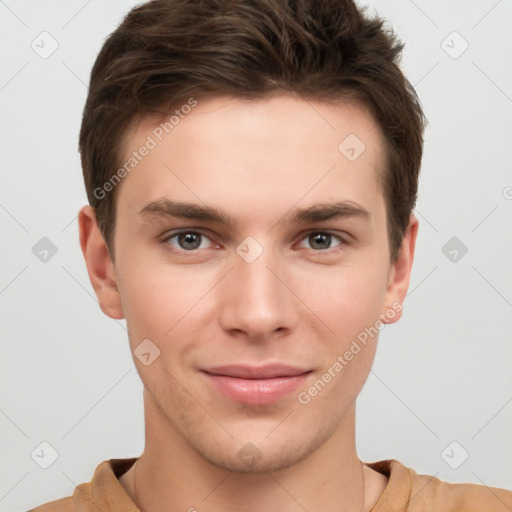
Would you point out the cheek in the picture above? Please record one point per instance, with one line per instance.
(352, 312)
(160, 300)
(348, 298)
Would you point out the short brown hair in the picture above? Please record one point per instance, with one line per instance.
(166, 51)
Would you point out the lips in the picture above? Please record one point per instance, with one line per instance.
(269, 371)
(255, 385)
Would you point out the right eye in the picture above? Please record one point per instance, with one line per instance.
(186, 240)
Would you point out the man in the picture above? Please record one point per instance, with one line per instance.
(251, 169)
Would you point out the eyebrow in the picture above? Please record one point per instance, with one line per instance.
(316, 213)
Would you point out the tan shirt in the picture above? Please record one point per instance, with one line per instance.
(406, 491)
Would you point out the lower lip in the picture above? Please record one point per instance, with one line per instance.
(256, 391)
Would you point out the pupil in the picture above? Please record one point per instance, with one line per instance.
(324, 239)
(190, 240)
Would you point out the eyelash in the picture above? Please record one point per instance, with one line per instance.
(331, 250)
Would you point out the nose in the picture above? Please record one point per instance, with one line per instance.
(258, 300)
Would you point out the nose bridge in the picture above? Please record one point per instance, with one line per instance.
(257, 301)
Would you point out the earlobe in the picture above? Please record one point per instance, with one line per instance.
(99, 264)
(400, 274)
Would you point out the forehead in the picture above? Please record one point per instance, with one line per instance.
(257, 154)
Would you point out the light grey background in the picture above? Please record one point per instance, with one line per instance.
(442, 374)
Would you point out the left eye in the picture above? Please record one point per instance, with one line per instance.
(321, 240)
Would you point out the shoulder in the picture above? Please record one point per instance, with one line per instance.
(62, 505)
(68, 504)
(104, 489)
(469, 497)
(413, 492)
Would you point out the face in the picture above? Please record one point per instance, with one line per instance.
(253, 234)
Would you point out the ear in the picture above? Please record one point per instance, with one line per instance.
(99, 264)
(399, 275)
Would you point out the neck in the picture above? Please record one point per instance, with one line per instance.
(171, 475)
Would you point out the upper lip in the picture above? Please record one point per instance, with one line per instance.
(256, 372)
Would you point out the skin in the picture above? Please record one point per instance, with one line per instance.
(301, 302)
